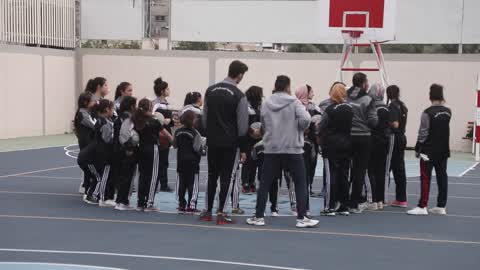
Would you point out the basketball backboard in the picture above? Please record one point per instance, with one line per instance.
(281, 21)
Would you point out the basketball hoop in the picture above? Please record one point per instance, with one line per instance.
(351, 34)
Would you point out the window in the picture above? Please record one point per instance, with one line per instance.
(159, 18)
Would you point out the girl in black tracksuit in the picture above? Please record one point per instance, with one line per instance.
(335, 129)
(149, 129)
(104, 189)
(125, 149)
(189, 144)
(249, 170)
(378, 167)
(161, 105)
(398, 122)
(84, 126)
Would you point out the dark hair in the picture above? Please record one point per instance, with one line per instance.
(236, 68)
(84, 99)
(121, 88)
(188, 119)
(393, 93)
(159, 86)
(142, 114)
(93, 84)
(436, 92)
(192, 98)
(104, 104)
(281, 84)
(309, 88)
(127, 103)
(254, 96)
(359, 79)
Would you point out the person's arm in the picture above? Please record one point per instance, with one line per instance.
(302, 116)
(125, 132)
(88, 121)
(372, 117)
(197, 143)
(394, 117)
(107, 132)
(423, 132)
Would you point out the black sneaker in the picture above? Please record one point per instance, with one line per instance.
(224, 219)
(328, 213)
(206, 216)
(343, 211)
(91, 200)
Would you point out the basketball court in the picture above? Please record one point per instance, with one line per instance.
(46, 223)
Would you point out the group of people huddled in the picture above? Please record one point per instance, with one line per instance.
(360, 137)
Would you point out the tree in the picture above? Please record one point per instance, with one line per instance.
(195, 46)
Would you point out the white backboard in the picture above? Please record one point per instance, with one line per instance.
(276, 21)
(112, 19)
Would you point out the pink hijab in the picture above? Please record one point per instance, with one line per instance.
(302, 94)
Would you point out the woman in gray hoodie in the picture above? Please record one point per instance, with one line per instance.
(284, 120)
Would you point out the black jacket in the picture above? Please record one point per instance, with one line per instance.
(434, 134)
(189, 145)
(104, 140)
(225, 115)
(336, 127)
(84, 125)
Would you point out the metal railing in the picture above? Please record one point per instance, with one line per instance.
(49, 23)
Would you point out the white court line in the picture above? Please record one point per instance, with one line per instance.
(148, 257)
(40, 193)
(50, 177)
(28, 149)
(37, 171)
(450, 183)
(469, 169)
(251, 229)
(61, 264)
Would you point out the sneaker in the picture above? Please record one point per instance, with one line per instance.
(140, 209)
(123, 207)
(166, 189)
(356, 210)
(81, 189)
(418, 211)
(256, 221)
(238, 211)
(151, 208)
(107, 203)
(438, 211)
(343, 211)
(399, 204)
(181, 210)
(328, 213)
(373, 207)
(275, 214)
(84, 197)
(245, 190)
(253, 189)
(223, 219)
(306, 223)
(90, 200)
(206, 216)
(380, 205)
(363, 206)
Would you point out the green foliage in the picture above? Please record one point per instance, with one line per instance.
(111, 44)
(195, 46)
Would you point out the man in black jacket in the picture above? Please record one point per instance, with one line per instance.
(225, 116)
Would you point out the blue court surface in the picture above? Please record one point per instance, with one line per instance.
(45, 225)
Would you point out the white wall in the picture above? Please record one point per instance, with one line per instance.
(187, 71)
(37, 87)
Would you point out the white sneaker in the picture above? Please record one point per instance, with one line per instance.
(306, 223)
(81, 189)
(418, 211)
(363, 206)
(380, 205)
(373, 207)
(107, 203)
(123, 207)
(275, 214)
(84, 197)
(356, 210)
(256, 221)
(438, 211)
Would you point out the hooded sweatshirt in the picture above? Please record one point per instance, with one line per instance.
(364, 113)
(377, 93)
(284, 118)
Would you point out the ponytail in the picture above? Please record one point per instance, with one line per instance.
(93, 84)
(159, 86)
(121, 88)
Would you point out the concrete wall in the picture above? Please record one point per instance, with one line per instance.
(37, 90)
(39, 86)
(189, 71)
